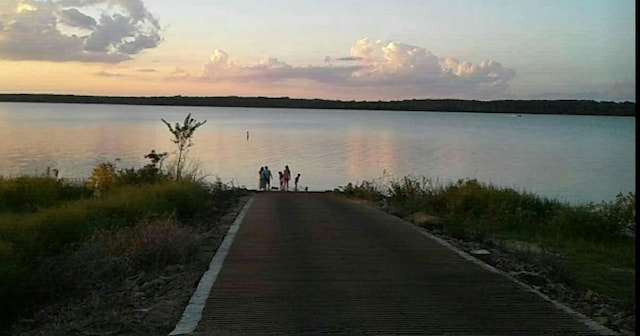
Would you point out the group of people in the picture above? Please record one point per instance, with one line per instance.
(284, 177)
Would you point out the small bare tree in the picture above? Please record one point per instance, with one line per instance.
(182, 135)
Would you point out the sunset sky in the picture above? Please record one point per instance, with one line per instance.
(334, 49)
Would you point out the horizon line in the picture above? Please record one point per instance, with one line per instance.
(325, 99)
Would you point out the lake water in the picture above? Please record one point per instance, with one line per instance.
(570, 158)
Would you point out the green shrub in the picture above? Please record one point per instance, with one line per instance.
(366, 190)
(30, 193)
(139, 212)
(103, 178)
(148, 174)
(145, 175)
(184, 199)
(410, 193)
(620, 215)
(488, 208)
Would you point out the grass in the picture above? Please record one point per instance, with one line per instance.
(109, 256)
(607, 269)
(30, 193)
(133, 225)
(591, 239)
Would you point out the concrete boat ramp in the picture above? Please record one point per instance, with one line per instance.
(316, 264)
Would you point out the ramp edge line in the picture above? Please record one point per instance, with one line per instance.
(193, 312)
(593, 325)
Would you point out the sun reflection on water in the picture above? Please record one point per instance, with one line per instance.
(590, 158)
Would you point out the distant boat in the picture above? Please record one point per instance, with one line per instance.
(519, 115)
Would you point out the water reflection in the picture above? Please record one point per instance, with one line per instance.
(356, 154)
(571, 158)
(369, 154)
(73, 150)
(386, 152)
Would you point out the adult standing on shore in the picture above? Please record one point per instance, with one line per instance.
(261, 183)
(286, 176)
(267, 177)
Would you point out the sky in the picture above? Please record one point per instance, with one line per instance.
(329, 49)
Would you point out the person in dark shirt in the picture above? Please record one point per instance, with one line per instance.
(295, 181)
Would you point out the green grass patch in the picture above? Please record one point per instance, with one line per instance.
(607, 269)
(52, 229)
(31, 193)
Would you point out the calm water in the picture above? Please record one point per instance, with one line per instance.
(570, 158)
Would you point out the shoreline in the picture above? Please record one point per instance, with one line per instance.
(516, 107)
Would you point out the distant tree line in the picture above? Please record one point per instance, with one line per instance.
(573, 107)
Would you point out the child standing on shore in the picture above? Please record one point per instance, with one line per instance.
(286, 176)
(296, 182)
(262, 183)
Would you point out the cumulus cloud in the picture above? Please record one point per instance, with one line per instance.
(64, 30)
(222, 67)
(374, 64)
(75, 18)
(394, 62)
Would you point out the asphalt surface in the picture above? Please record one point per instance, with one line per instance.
(315, 263)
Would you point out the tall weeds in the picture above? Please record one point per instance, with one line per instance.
(504, 210)
(30, 193)
(595, 240)
(144, 225)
